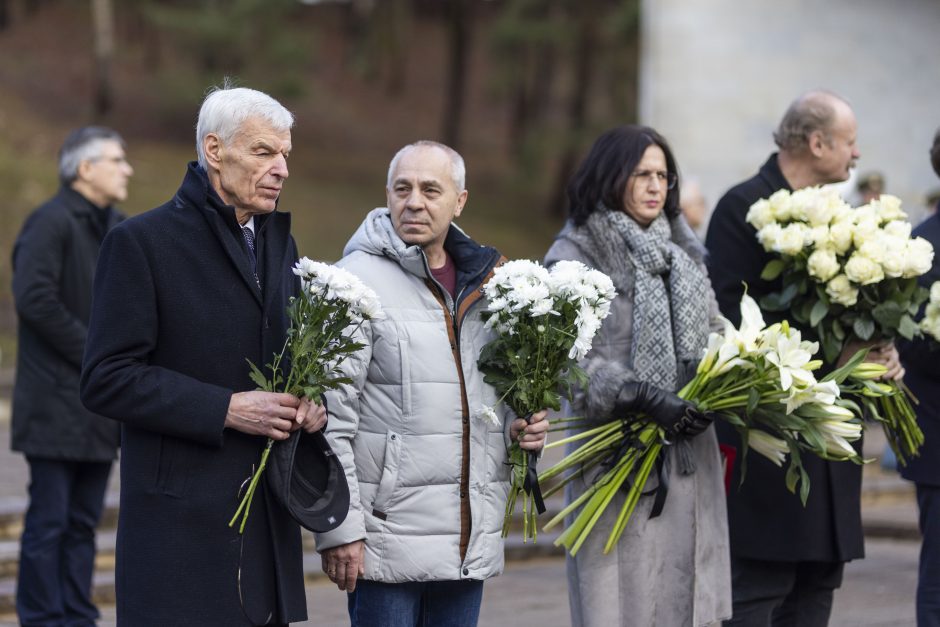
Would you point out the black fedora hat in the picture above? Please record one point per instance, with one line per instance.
(307, 478)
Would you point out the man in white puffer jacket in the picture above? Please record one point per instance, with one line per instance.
(428, 477)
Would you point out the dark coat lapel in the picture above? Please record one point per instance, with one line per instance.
(221, 219)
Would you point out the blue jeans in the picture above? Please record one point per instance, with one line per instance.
(928, 580)
(57, 549)
(415, 604)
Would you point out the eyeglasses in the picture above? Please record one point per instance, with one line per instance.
(113, 160)
(646, 177)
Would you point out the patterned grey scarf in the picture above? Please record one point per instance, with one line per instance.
(670, 300)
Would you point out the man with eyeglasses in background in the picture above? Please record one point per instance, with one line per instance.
(69, 450)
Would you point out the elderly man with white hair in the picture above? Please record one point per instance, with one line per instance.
(184, 294)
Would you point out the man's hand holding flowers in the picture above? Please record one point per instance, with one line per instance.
(884, 353)
(530, 435)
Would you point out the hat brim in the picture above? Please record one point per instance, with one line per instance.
(307, 478)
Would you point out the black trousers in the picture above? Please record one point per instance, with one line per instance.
(928, 580)
(57, 549)
(782, 594)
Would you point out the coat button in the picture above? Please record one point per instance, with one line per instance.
(466, 571)
(394, 436)
(463, 495)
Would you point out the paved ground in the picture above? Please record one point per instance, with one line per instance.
(877, 592)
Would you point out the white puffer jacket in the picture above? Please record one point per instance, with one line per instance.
(403, 427)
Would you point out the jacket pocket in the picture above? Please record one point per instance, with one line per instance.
(172, 476)
(389, 479)
(405, 377)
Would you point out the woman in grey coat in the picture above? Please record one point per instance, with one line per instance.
(670, 567)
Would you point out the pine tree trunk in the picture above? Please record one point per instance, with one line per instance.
(577, 107)
(459, 30)
(103, 24)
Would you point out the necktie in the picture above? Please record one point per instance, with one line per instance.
(250, 240)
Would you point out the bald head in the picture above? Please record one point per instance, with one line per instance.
(817, 137)
(814, 111)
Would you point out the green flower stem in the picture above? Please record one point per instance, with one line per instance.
(589, 450)
(252, 486)
(633, 496)
(610, 426)
(584, 469)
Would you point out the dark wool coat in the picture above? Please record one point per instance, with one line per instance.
(765, 520)
(920, 359)
(176, 313)
(53, 269)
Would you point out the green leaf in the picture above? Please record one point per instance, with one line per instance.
(773, 269)
(863, 328)
(908, 328)
(888, 314)
(753, 399)
(820, 309)
(792, 477)
(779, 301)
(841, 374)
(258, 377)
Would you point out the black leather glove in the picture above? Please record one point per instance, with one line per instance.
(675, 415)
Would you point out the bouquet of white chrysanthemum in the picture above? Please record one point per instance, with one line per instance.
(847, 273)
(332, 304)
(545, 322)
(930, 323)
(759, 379)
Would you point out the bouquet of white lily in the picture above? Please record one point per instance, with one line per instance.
(759, 379)
(847, 272)
(333, 303)
(544, 323)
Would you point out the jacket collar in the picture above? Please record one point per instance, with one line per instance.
(196, 191)
(79, 205)
(377, 236)
(99, 219)
(472, 260)
(772, 175)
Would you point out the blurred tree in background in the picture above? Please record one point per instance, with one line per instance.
(520, 87)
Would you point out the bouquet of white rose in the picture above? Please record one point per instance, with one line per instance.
(930, 323)
(758, 379)
(545, 322)
(846, 273)
(333, 303)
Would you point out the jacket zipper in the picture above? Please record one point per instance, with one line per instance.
(464, 481)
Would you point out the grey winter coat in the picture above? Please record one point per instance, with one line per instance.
(668, 571)
(427, 478)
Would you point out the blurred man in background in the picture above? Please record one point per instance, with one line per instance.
(787, 559)
(870, 187)
(69, 449)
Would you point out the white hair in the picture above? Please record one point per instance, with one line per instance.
(226, 108)
(458, 170)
